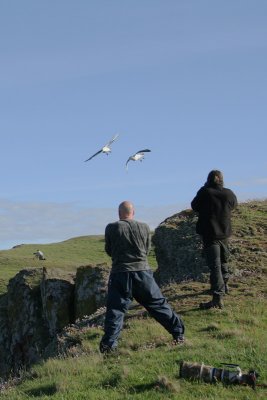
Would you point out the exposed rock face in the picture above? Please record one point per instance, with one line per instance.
(5, 356)
(90, 289)
(38, 305)
(58, 302)
(178, 249)
(27, 330)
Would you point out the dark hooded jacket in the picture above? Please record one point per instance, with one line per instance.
(214, 204)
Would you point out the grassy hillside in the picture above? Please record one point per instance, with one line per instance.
(147, 364)
(67, 256)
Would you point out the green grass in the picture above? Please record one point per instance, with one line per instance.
(146, 366)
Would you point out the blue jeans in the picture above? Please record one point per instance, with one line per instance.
(217, 254)
(140, 285)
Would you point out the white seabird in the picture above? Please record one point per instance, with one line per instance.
(137, 156)
(106, 149)
(39, 254)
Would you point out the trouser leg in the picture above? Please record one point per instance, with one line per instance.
(213, 255)
(147, 293)
(224, 263)
(118, 300)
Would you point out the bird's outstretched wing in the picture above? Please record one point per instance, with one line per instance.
(112, 140)
(98, 152)
(143, 151)
(126, 165)
(104, 148)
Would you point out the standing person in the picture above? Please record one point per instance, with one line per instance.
(127, 242)
(214, 204)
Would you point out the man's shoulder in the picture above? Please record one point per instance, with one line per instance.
(202, 191)
(112, 225)
(121, 223)
(140, 223)
(229, 192)
(142, 226)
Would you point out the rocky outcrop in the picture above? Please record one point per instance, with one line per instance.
(57, 301)
(90, 289)
(5, 356)
(27, 331)
(178, 249)
(34, 309)
(38, 305)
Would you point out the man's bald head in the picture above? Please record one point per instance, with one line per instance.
(126, 210)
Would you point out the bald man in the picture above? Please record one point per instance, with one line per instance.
(127, 242)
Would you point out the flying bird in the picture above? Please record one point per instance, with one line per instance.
(137, 156)
(106, 149)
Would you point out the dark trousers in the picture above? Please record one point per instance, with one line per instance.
(217, 254)
(140, 285)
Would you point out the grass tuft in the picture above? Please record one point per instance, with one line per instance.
(228, 334)
(164, 383)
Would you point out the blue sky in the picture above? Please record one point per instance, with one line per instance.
(186, 79)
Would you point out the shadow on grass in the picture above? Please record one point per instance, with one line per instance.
(143, 387)
(162, 384)
(46, 390)
(188, 295)
(213, 327)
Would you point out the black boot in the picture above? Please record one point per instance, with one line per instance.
(216, 302)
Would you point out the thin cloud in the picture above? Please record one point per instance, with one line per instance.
(251, 182)
(34, 222)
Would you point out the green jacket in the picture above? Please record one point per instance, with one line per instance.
(127, 242)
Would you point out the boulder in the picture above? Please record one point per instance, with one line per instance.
(27, 329)
(178, 249)
(58, 301)
(5, 356)
(90, 289)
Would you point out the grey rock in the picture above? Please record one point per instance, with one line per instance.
(90, 289)
(27, 329)
(178, 249)
(58, 301)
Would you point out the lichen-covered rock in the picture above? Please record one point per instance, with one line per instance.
(27, 329)
(5, 356)
(58, 301)
(38, 305)
(90, 289)
(178, 249)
